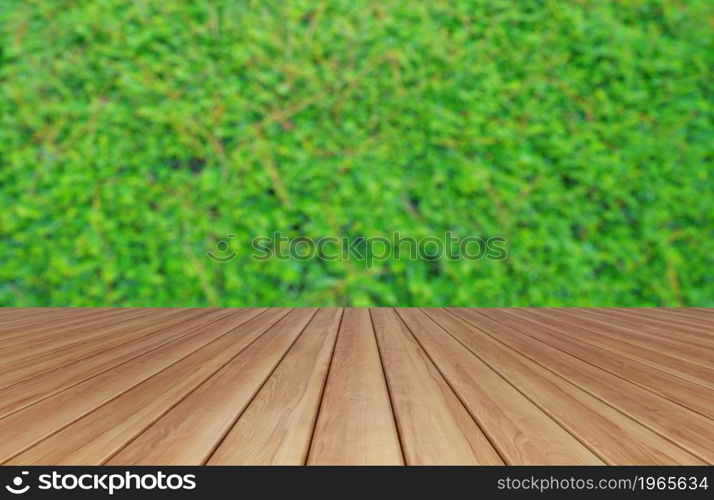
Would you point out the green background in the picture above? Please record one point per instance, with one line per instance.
(135, 135)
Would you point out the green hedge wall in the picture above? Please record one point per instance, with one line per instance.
(135, 135)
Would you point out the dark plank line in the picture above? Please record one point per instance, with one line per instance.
(192, 429)
(658, 359)
(693, 396)
(434, 426)
(612, 435)
(44, 385)
(521, 432)
(355, 423)
(30, 425)
(689, 429)
(277, 426)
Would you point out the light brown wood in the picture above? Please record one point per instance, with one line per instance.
(662, 321)
(680, 425)
(653, 355)
(35, 320)
(668, 343)
(29, 425)
(330, 386)
(615, 321)
(276, 428)
(45, 332)
(693, 396)
(613, 436)
(521, 432)
(73, 367)
(355, 424)
(96, 436)
(189, 432)
(434, 426)
(681, 315)
(111, 337)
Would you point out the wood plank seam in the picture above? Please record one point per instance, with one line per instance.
(488, 435)
(545, 411)
(389, 391)
(21, 386)
(271, 430)
(176, 403)
(431, 386)
(678, 367)
(589, 389)
(564, 401)
(258, 389)
(97, 353)
(324, 384)
(247, 315)
(659, 390)
(438, 429)
(114, 397)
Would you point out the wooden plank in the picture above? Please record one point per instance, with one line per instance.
(34, 346)
(49, 328)
(98, 435)
(355, 424)
(27, 320)
(276, 428)
(680, 425)
(613, 436)
(190, 432)
(677, 315)
(521, 432)
(657, 320)
(433, 424)
(433, 386)
(683, 392)
(13, 324)
(611, 319)
(113, 336)
(634, 334)
(31, 390)
(28, 426)
(658, 359)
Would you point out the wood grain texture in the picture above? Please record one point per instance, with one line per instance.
(666, 322)
(667, 342)
(676, 423)
(112, 337)
(613, 436)
(355, 424)
(616, 321)
(356, 386)
(33, 423)
(76, 366)
(276, 428)
(683, 392)
(651, 355)
(190, 432)
(521, 432)
(98, 435)
(434, 426)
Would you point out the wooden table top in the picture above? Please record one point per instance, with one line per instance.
(356, 386)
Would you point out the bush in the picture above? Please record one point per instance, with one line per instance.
(135, 135)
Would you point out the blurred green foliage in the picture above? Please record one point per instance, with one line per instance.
(136, 134)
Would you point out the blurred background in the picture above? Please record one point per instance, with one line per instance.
(134, 135)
